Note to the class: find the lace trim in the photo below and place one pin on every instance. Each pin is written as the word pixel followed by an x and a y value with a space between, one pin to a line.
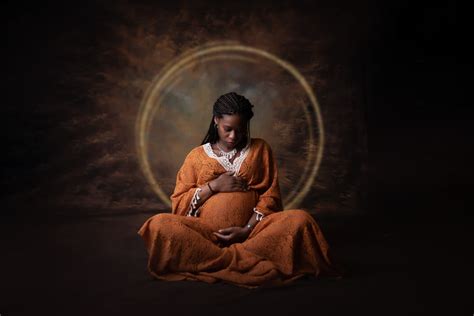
pixel 260 215
pixel 193 210
pixel 228 166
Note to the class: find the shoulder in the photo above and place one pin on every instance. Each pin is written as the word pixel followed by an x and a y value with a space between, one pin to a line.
pixel 260 143
pixel 195 154
pixel 196 150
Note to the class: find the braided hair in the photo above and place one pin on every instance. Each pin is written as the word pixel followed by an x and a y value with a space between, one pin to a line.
pixel 230 103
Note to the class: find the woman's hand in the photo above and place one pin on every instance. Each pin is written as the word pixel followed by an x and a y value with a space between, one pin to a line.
pixel 226 182
pixel 232 235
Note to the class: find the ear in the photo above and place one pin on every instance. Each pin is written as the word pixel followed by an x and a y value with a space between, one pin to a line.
pixel 216 120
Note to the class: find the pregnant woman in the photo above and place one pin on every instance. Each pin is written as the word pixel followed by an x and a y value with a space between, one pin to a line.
pixel 227 222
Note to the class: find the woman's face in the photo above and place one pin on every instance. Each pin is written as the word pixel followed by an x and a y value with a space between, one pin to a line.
pixel 231 129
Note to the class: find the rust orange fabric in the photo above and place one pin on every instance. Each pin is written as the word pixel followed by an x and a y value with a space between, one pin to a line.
pixel 283 246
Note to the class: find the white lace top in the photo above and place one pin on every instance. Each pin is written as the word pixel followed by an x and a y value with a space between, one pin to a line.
pixel 228 166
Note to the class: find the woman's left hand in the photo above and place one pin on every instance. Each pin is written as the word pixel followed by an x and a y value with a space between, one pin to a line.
pixel 232 235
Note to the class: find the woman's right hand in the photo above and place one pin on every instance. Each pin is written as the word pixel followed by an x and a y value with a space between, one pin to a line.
pixel 226 182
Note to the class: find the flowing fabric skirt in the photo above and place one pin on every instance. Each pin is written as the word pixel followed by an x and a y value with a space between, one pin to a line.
pixel 282 247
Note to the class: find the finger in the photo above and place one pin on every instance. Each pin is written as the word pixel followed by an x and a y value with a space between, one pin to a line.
pixel 236 187
pixel 239 180
pixel 222 237
pixel 243 183
pixel 227 230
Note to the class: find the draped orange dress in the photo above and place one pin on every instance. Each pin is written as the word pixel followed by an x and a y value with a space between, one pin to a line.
pixel 283 245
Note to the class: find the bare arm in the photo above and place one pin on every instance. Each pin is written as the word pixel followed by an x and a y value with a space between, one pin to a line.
pixel 251 223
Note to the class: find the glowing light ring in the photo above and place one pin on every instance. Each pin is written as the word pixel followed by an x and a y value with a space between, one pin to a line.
pixel 169 73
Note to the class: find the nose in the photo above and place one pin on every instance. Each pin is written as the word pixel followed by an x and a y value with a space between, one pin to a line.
pixel 232 135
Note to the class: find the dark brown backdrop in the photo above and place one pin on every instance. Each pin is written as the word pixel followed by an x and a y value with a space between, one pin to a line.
pixel 77 73
pixel 391 193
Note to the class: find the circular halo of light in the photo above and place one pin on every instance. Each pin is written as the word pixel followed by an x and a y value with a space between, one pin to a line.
pixel 149 105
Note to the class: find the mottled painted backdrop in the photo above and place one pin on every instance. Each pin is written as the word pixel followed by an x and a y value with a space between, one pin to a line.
pixel 78 73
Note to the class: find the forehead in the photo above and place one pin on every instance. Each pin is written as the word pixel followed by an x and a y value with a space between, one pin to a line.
pixel 234 120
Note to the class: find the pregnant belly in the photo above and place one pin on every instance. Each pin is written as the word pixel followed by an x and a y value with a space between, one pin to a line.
pixel 228 209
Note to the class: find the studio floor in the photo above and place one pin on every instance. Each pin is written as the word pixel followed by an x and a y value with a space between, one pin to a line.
pixel 96 265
